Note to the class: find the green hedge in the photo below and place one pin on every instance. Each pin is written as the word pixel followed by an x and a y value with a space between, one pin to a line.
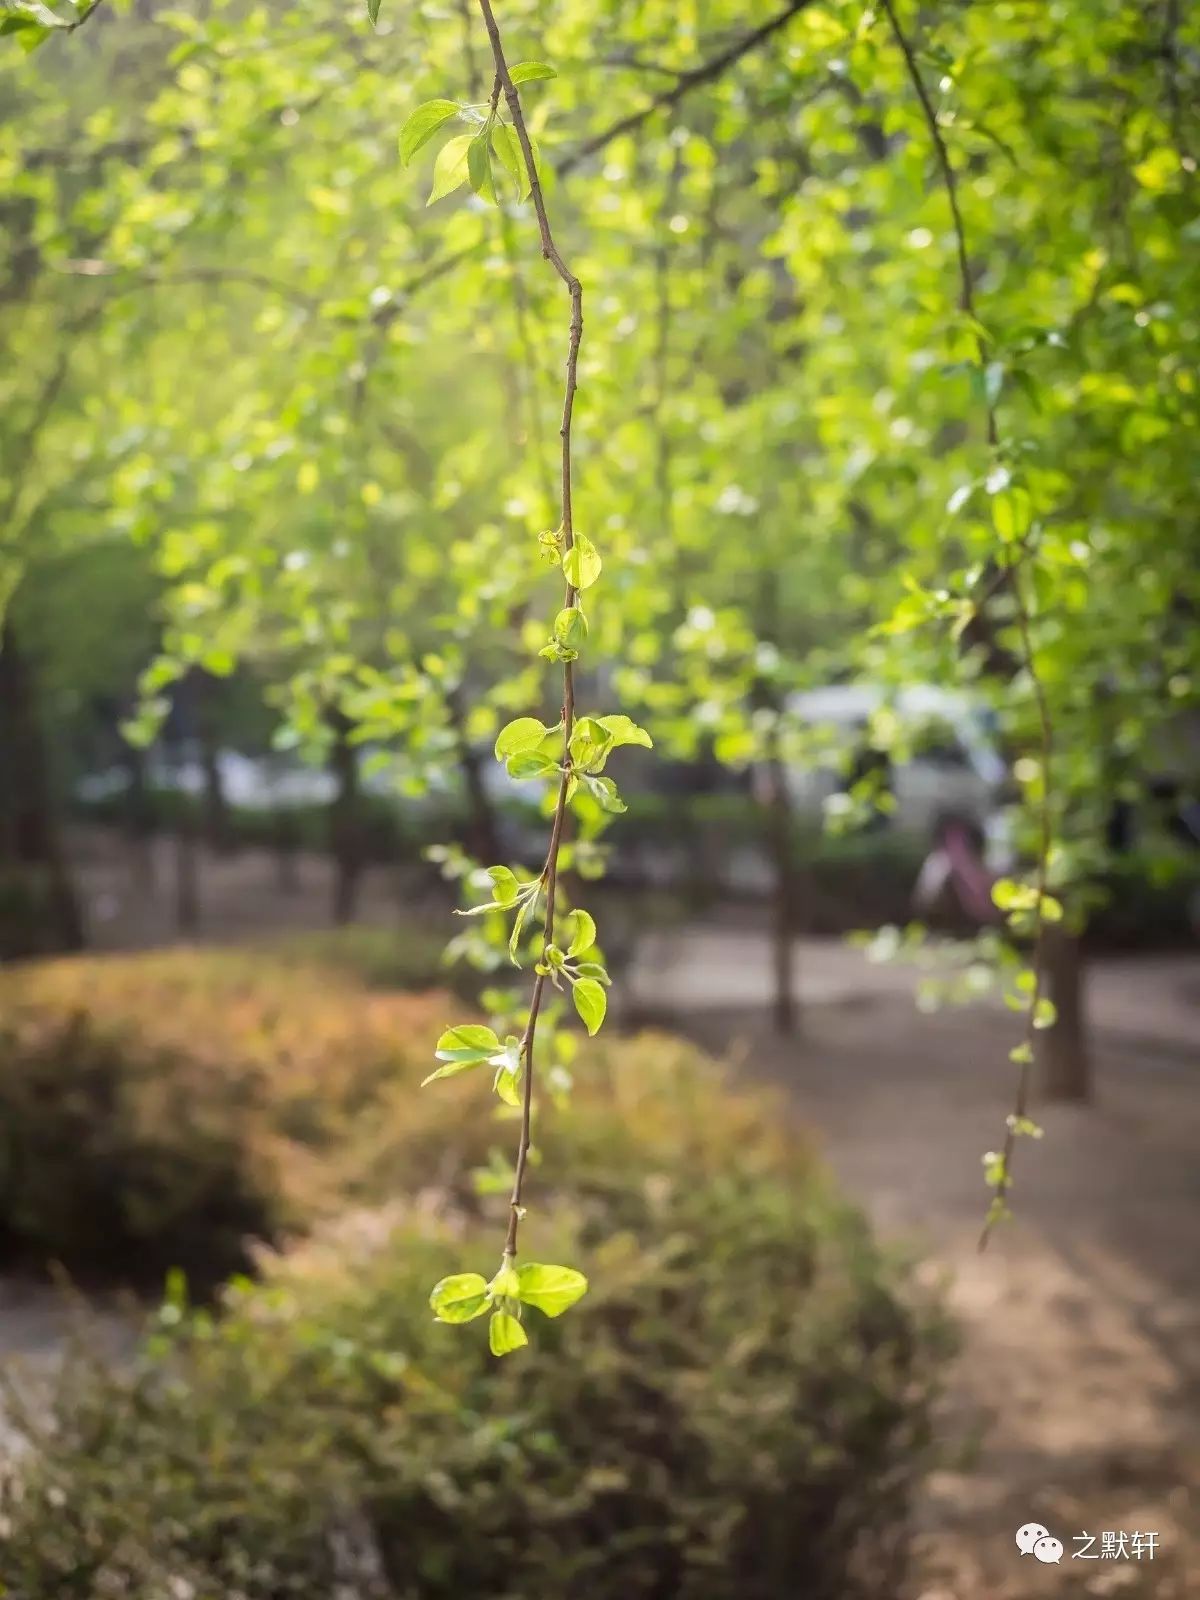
pixel 739 1407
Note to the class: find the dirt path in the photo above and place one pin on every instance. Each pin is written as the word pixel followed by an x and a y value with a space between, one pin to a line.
pixel 1080 1374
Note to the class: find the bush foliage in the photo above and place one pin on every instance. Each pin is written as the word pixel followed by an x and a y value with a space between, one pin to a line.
pixel 739 1407
pixel 157 1109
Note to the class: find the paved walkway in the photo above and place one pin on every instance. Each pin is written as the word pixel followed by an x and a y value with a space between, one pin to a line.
pixel 1155 998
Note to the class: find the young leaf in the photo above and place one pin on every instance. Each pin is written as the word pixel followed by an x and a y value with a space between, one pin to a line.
pixel 531 72
pixel 453 1068
pixel 505 1334
pixel 584 936
pixel 625 731
pixel 505 885
pixel 373 11
pixel 581 564
pixel 530 764
pixel 604 792
pixel 467 1042
pixel 551 1290
pixel 450 168
pixel 507 1086
pixel 523 734
pixel 479 167
pixel 424 122
pixel 460 1298
pixel 591 1003
pixel 510 156
pixel 514 942
pixel 571 627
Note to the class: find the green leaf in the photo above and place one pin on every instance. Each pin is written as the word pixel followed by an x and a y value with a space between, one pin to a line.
pixel 506 1084
pixel 604 792
pixel 581 564
pixel 373 11
pixel 571 627
pixel 424 122
pixel 552 1290
pixel 514 942
pixel 523 734
pixel 462 1048
pixel 531 72
pixel 584 936
pixel 593 969
pixel 479 167
pixel 591 1003
pixel 590 743
pixel 625 731
pixel 450 168
pixel 505 1333
pixel 1012 513
pixel 507 147
pixel 460 1298
pixel 530 764
pixel 1045 1014
pixel 505 885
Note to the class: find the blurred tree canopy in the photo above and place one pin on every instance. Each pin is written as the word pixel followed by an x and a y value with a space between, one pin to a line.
pixel 251 373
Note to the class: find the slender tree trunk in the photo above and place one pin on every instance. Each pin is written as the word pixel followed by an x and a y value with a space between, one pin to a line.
pixel 139 820
pixel 187 897
pixel 31 848
pixel 1065 1062
pixel 218 834
pixel 345 821
pixel 780 835
pixel 284 829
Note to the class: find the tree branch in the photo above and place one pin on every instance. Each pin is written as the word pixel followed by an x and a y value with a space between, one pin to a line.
pixel 503 83
pixel 686 81
pixel 1011 564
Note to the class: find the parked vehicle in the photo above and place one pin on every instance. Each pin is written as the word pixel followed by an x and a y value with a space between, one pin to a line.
pixel 954 770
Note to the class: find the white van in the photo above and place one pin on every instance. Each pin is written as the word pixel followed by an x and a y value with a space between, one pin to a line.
pixel 955 769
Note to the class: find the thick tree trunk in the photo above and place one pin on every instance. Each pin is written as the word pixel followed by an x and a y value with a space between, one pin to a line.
pixel 1065 1058
pixel 345 821
pixel 31 850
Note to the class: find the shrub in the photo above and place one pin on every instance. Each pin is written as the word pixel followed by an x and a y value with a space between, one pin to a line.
pixel 158 1108
pixel 739 1407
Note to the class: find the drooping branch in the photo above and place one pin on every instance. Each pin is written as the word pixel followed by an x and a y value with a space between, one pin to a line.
pixel 1011 564
pixel 504 84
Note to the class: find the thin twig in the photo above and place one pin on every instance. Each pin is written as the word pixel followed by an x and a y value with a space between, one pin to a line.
pixel 550 252
pixel 1011 564
pixel 687 80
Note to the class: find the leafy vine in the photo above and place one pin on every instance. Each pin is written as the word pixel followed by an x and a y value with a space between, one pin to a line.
pixel 495 156
pixel 1028 908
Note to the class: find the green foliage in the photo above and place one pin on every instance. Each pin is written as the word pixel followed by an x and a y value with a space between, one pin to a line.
pixel 740 1406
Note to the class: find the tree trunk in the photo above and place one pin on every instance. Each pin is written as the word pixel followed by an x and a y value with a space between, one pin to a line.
pixel 284 830
pixel 46 912
pixel 218 834
pixel 785 1005
pixel 187 899
pixel 139 819
pixel 345 821
pixel 1065 1058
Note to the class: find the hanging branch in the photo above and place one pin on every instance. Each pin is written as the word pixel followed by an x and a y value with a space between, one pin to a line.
pixel 1038 1011
pixel 550 871
pixel 495 154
